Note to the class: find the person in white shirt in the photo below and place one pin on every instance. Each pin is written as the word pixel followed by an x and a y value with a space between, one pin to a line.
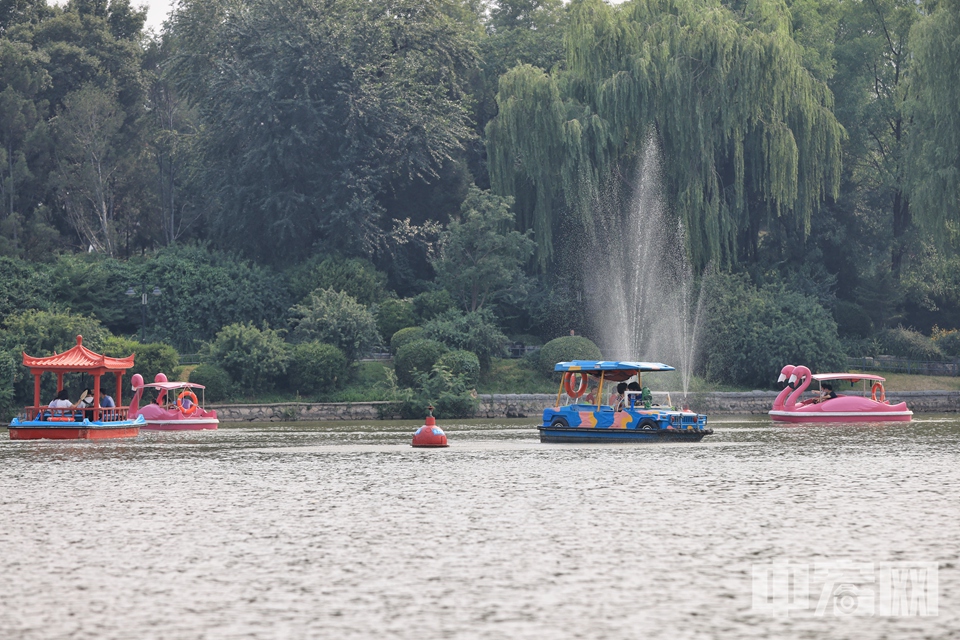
pixel 62 401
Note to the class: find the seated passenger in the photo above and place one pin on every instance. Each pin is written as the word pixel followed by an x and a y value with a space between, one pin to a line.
pixel 827 393
pixel 617 399
pixel 85 403
pixel 106 401
pixel 58 406
pixel 62 401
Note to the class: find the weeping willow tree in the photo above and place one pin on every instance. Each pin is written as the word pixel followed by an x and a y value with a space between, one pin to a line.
pixel 934 150
pixel 747 133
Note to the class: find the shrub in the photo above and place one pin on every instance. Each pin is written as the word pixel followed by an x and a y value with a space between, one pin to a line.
pixel 907 343
pixel 752 333
pixel 566 348
pixel 462 363
pixel 334 318
pixel 405 335
pixel 429 304
pixel 255 359
pixel 476 332
pixel 217 382
pixel 449 394
pixel 149 359
pixel 949 343
pixel 416 356
pixel 393 315
pixel 356 277
pixel 315 366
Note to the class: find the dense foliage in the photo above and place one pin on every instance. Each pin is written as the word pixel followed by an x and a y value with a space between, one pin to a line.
pixel 417 357
pixel 751 333
pixel 315 367
pixel 565 349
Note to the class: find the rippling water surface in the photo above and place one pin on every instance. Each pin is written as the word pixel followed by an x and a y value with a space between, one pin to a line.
pixel 313 530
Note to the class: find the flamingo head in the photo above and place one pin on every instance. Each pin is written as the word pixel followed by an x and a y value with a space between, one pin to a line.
pixel 160 377
pixel 136 381
pixel 798 374
pixel 785 373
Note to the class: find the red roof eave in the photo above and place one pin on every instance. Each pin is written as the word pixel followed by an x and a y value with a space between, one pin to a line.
pixel 77 358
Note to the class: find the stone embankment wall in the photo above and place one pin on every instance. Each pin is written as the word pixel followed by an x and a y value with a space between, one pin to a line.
pixel 531 405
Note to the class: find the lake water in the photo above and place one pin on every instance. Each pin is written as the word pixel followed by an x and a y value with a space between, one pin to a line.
pixel 319 530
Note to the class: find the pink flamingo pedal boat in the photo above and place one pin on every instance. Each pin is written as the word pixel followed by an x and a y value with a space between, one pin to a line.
pixel 176 407
pixel 865 406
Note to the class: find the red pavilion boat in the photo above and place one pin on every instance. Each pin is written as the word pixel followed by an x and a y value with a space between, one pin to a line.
pixel 73 423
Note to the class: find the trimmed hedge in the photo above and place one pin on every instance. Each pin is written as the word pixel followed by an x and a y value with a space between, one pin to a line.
pixel 417 356
pixel 405 335
pixel 315 367
pixel 567 348
pixel 462 363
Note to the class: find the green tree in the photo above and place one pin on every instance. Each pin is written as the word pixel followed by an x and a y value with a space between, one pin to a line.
pixel 91 165
pixel 747 132
pixel 752 333
pixel 22 78
pixel 874 55
pixel 354 276
pixel 310 110
pixel 333 317
pixel 255 359
pixel 934 151
pixel 149 358
pixel 476 331
pixel 478 262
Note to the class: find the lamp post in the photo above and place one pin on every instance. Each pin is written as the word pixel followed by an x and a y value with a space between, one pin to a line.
pixel 143 305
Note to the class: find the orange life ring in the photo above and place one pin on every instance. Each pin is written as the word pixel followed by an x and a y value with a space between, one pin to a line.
pixel 568 384
pixel 188 411
pixel 878 386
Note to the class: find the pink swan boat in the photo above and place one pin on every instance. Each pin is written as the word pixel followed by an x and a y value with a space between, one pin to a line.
pixel 176 408
pixel 866 406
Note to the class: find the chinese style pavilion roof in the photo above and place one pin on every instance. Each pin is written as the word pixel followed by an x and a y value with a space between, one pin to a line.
pixel 77 359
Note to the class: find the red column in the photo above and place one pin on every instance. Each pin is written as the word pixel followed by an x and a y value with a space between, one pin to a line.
pixel 36 389
pixel 117 399
pixel 96 396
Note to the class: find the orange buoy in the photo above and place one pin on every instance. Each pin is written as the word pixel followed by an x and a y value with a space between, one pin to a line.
pixel 430 435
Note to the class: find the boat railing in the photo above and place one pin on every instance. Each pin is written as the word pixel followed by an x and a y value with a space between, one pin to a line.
pixel 75 414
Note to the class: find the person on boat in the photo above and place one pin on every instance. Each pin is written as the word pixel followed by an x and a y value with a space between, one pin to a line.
pixel 85 402
pixel 106 401
pixel 617 399
pixel 62 401
pixel 827 393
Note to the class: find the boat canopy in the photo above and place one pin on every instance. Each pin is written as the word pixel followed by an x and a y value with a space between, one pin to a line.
pixel 611 369
pixel 853 377
pixel 168 386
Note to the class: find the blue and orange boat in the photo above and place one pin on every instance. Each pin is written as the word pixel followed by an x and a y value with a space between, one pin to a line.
pixel 630 415
pixel 74 423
